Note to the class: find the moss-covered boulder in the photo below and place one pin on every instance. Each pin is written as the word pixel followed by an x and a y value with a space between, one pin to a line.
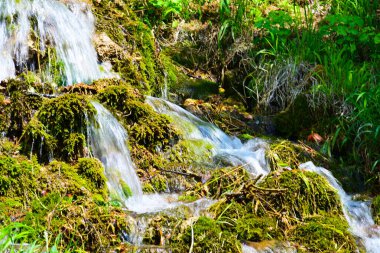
pixel 327 233
pixel 18 108
pixel 59 129
pixel 129 44
pixel 205 235
pixel 76 225
pixel 302 194
pixel 18 177
pixel 280 207
pixel 144 125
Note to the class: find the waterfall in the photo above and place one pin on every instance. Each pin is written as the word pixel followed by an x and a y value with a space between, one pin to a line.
pixel 251 155
pixel 66 26
pixel 357 213
pixel 108 143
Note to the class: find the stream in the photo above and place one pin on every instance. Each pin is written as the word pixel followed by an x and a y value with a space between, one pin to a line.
pixel 65 31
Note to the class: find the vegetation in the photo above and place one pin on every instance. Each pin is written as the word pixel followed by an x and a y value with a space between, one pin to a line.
pixel 301 74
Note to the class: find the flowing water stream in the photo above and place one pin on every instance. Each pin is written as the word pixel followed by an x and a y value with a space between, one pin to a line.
pixel 29 27
pixel 231 150
pixel 108 143
pixel 67 27
pixel 252 156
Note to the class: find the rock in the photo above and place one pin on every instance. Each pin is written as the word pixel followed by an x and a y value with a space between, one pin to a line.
pixel 107 49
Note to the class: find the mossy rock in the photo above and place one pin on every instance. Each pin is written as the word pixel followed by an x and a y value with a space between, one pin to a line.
pixel 140 61
pixel 256 229
pixel 59 128
pixel 207 237
pixel 304 193
pixel 327 233
pixel 18 177
pixel 21 108
pixel 226 180
pixel 77 225
pixel 145 126
pixel 92 170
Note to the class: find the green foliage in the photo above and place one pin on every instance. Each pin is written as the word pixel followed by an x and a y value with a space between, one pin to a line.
pixel 232 16
pixel 170 7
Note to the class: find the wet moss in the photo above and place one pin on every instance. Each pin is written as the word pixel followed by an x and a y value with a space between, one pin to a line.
pixel 327 233
pixel 257 229
pixel 19 109
pixel 205 235
pixel 78 225
pixel 140 62
pixel 144 125
pixel 304 193
pixel 59 128
pixel 18 177
pixel 126 189
pixel 91 169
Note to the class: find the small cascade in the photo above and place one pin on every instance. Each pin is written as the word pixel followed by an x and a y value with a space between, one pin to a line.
pixel 108 143
pixel 229 149
pixel 29 27
pixel 357 213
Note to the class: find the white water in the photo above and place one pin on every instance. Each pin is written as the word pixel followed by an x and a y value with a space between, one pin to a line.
pixel 230 149
pixel 108 143
pixel 274 249
pixel 357 213
pixel 68 27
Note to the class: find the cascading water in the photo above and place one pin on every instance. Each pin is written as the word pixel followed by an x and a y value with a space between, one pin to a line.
pixel 252 155
pixel 67 27
pixel 357 213
pixel 230 149
pixel 108 143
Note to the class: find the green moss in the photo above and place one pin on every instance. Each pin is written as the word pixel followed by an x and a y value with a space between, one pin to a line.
pixel 207 237
pixel 328 233
pixel 59 128
pixel 8 147
pixel 18 177
pixel 376 209
pixel 284 154
pixel 187 199
pixel 140 63
pixel 126 189
pixel 199 151
pixel 84 225
pixel 21 108
pixel 144 125
pixel 226 180
pixel 256 229
pixel 304 193
pixel 91 169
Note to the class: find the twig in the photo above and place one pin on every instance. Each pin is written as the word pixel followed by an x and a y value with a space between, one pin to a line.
pixel 181 173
